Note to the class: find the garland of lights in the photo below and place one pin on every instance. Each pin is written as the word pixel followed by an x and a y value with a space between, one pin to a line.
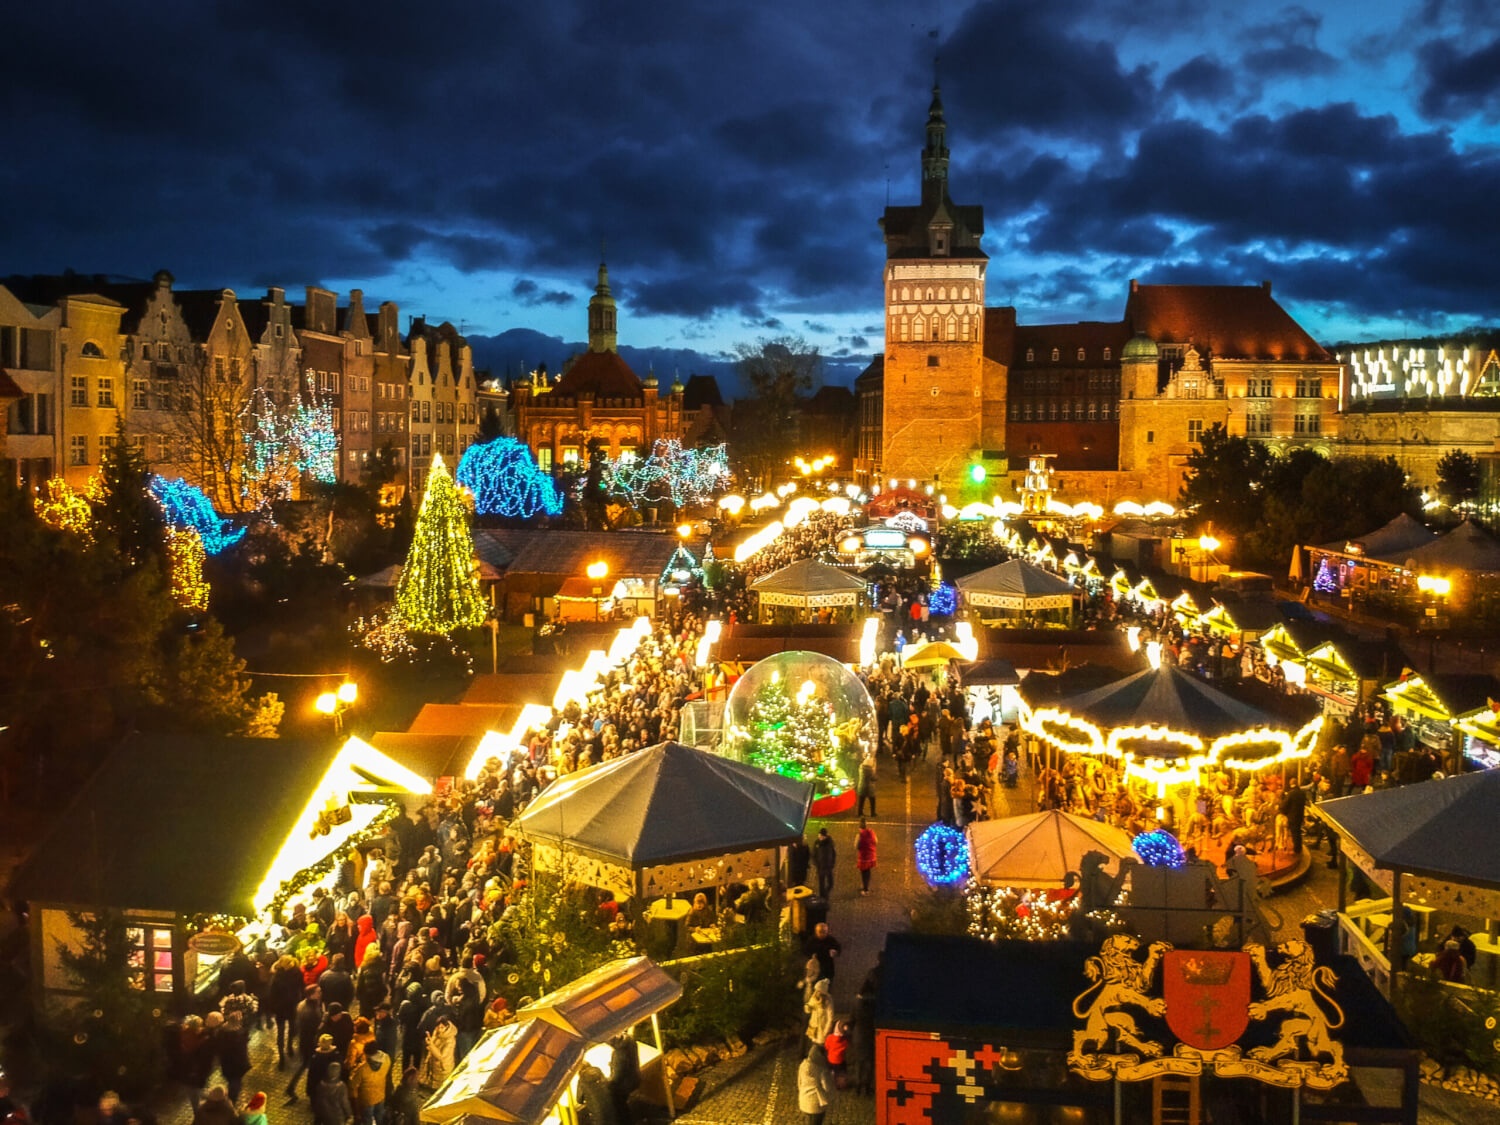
pixel 314 440
pixel 1159 848
pixel 683 476
pixel 1004 913
pixel 1189 754
pixel 439 587
pixel 505 480
pixel 942 856
pixel 185 556
pixel 62 507
pixel 308 876
pixel 187 507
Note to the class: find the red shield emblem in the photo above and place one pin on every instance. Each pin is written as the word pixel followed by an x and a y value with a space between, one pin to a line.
pixel 1208 996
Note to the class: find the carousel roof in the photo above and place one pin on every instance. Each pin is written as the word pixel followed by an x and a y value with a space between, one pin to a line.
pixel 1170 698
pixel 1039 849
pixel 1015 578
pixel 1445 828
pixel 1391 543
pixel 667 804
pixel 807 576
pixel 1468 547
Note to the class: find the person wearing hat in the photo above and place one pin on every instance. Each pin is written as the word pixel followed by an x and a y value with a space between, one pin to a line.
pixel 216 1109
pixel 255 1109
pixel 330 1099
pixel 324 1058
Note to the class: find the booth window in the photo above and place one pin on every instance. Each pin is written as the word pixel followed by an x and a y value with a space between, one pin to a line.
pixel 151 958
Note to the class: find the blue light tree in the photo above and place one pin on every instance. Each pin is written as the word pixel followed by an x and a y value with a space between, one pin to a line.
pixel 505 481
pixel 187 506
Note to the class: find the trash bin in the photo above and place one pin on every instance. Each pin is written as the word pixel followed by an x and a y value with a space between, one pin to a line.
pixel 1321 932
pixel 817 911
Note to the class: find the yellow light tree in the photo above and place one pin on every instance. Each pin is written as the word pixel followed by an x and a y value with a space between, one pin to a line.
pixel 439 587
pixel 60 506
pixel 185 557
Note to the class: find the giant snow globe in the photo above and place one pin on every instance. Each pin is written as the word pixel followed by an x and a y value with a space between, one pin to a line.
pixel 805 716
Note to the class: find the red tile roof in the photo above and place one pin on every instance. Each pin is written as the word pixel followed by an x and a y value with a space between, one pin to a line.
pixel 1225 321
pixel 602 374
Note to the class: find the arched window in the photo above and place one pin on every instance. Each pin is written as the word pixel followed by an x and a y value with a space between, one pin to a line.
pixel 1056 355
pixel 1067 412
pixel 92 350
pixel 965 328
pixel 953 328
pixel 1080 353
pixel 918 327
pixel 1106 355
pixel 937 329
pixel 905 327
pixel 966 292
pixel 1030 355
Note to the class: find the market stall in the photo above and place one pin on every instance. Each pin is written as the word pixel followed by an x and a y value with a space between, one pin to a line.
pixel 524 1072
pixel 1432 848
pixel 1453 713
pixel 147 836
pixel 990 690
pixel 799 591
pixel 665 820
pixel 1016 591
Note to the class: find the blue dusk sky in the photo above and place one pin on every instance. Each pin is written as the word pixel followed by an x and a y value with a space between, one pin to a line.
pixel 466 159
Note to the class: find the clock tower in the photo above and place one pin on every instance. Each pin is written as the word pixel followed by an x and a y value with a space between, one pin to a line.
pixel 934 376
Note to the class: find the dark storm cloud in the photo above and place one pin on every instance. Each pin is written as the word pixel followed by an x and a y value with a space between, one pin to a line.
pixel 1201 79
pixel 1456 82
pixel 735 157
pixel 1027 66
pixel 1287 45
pixel 527 292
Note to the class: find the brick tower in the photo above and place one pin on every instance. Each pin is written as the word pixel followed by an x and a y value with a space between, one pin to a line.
pixel 934 326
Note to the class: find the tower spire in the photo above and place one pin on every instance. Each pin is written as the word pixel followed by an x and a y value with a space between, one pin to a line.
pixel 935 155
pixel 602 337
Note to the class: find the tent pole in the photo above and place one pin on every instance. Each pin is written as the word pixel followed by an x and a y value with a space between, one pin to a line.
pixel 1395 937
pixel 666 1076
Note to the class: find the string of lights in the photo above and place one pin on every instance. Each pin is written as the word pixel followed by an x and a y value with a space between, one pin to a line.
pixel 504 480
pixel 683 476
pixel 186 506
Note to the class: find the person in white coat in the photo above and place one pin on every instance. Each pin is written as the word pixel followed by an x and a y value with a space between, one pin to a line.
pixel 814 1086
pixel 819 1008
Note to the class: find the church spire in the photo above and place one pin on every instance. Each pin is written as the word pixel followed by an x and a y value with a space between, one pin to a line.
pixel 935 155
pixel 602 315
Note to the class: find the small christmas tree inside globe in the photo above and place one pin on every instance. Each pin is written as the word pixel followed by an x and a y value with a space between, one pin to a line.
pixel 802 715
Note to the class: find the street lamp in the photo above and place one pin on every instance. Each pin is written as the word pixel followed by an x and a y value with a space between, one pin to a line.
pixel 1207 545
pixel 597 571
pixel 335 703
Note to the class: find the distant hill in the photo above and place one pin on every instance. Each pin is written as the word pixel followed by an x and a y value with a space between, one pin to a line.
pixel 519 350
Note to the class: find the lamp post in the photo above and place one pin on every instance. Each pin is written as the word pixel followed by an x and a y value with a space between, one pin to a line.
pixel 597 571
pixel 335 703
pixel 1207 545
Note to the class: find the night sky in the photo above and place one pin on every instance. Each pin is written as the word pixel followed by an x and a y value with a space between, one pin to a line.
pixel 466 159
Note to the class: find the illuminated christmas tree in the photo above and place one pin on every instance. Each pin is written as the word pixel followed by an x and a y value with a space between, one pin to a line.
pixel 439 587
pixel 1324 581
pixel 794 737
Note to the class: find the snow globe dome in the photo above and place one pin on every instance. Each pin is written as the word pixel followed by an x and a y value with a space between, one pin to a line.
pixel 805 716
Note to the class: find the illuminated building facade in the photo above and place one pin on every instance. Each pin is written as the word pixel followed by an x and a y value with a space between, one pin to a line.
pixel 597 397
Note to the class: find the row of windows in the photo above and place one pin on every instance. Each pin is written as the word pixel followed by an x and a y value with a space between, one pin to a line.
pixel 1062 412
pixel 936 328
pixel 1083 355
pixel 422 444
pixel 447 412
pixel 390 423
pixel 391 390
pixel 1044 382
pixel 931 293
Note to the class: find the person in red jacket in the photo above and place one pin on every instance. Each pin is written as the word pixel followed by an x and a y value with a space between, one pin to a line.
pixel 365 931
pixel 1361 766
pixel 836 1047
pixel 864 854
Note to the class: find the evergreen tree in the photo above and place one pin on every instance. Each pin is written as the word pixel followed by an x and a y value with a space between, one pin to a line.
pixel 439 587
pixel 128 513
pixel 109 1034
pixel 794 737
